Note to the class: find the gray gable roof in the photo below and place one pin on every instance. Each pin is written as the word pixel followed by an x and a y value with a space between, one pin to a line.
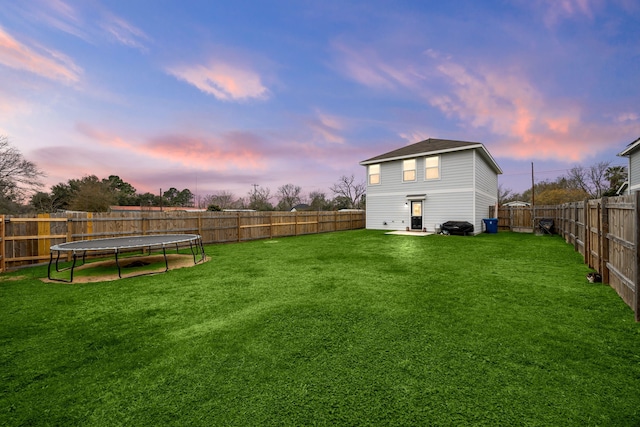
pixel 432 146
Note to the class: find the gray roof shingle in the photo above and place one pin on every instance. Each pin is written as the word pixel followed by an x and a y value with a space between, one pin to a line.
pixel 424 147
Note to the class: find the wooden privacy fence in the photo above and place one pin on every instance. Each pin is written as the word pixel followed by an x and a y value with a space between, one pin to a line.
pixel 605 231
pixel 26 241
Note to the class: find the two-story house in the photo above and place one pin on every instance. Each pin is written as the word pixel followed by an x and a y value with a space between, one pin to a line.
pixel 425 184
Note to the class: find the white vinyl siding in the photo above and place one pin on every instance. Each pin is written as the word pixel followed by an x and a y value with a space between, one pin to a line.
pixel 634 171
pixel 486 193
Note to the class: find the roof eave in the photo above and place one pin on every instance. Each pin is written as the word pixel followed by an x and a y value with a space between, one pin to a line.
pixel 630 148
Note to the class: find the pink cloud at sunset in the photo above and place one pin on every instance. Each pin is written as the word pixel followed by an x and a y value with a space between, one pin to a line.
pixel 56 14
pixel 235 150
pixel 532 126
pixel 232 150
pixel 224 81
pixel 327 128
pixel 365 66
pixel 557 10
pixel 527 123
pixel 124 32
pixel 49 64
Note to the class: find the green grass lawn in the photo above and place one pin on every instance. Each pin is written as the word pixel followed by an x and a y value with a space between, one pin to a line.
pixel 347 328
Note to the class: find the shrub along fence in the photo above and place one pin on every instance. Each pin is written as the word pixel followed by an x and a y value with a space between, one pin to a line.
pixel 26 240
pixel 605 231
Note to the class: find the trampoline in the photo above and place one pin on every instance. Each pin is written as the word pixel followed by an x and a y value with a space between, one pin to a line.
pixel 116 245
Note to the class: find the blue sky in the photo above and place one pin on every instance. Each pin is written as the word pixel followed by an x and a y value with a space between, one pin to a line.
pixel 218 96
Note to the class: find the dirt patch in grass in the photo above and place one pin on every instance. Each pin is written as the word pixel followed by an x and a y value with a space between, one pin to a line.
pixel 102 271
pixel 11 278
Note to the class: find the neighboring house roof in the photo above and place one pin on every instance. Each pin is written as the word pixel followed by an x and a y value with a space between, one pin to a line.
pixel 516 203
pixel 301 207
pixel 635 145
pixel 433 146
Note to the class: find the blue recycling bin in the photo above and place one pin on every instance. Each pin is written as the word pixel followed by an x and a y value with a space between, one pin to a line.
pixel 491 225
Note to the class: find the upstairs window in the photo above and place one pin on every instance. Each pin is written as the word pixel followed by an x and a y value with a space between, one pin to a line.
pixel 432 167
pixel 374 174
pixel 409 170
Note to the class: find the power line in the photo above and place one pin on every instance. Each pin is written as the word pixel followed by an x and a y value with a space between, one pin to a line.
pixel 546 171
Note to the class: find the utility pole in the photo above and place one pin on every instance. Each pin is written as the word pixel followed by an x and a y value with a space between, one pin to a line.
pixel 533 199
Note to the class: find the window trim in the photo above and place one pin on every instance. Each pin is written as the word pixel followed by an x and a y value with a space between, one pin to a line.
pixel 414 170
pixel 374 174
pixel 426 169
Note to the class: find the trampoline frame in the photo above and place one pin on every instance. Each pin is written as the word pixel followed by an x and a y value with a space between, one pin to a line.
pixel 117 244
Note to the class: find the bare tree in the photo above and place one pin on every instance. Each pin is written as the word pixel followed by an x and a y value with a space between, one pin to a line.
pixel 348 190
pixel 259 199
pixel 504 194
pixel 17 175
pixel 289 196
pixel 318 201
pixel 591 180
pixel 222 200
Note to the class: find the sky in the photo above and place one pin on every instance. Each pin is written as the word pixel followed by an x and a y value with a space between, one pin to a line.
pixel 221 96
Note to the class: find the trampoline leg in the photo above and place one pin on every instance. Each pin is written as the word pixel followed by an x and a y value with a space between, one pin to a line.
pixel 203 257
pixel 57 259
pixel 118 265
pixel 166 261
pixel 193 253
pixel 73 265
pixel 49 268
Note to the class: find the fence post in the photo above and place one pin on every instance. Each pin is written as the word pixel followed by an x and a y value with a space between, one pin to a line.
pixel 510 218
pixel 587 232
pixel 3 265
pixel 636 250
pixel 575 227
pixel 604 256
pixel 238 220
pixel 271 226
pixel 44 229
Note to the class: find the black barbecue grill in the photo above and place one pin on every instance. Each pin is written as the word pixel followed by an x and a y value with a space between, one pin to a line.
pixel 461 228
pixel 546 225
